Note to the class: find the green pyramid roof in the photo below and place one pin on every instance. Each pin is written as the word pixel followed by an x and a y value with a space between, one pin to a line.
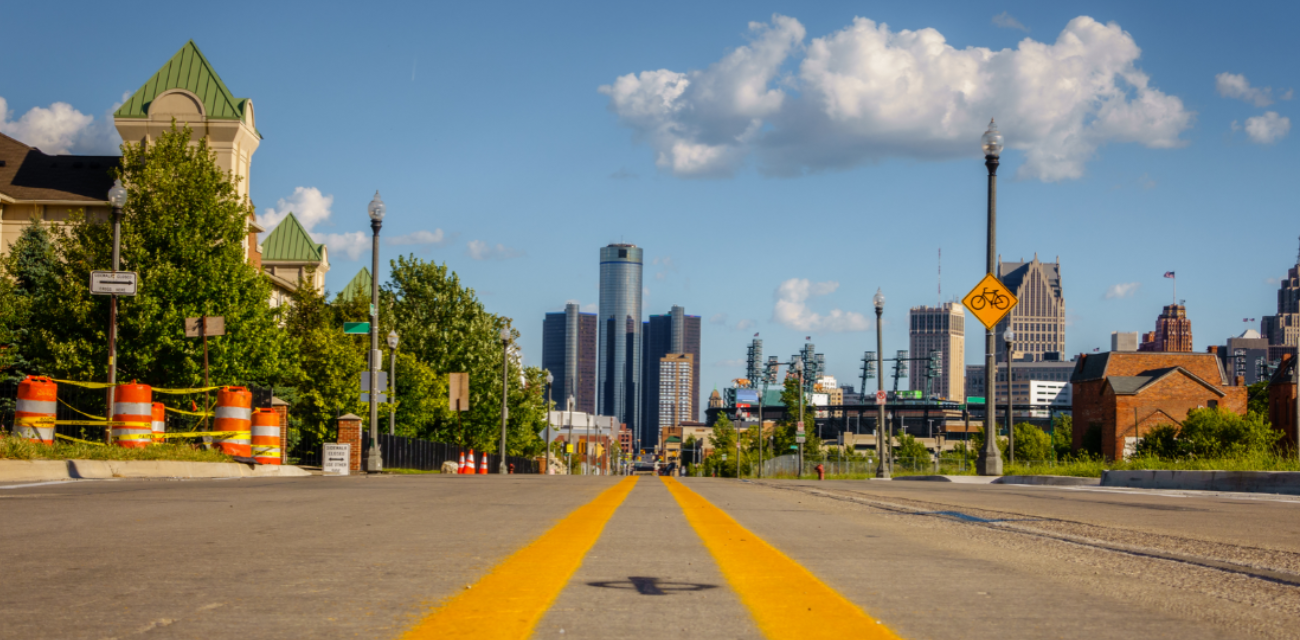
pixel 289 241
pixel 359 287
pixel 188 70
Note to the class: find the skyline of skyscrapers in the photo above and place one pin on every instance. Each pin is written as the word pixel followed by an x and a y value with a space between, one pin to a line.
pixel 618 384
pixel 670 333
pixel 569 353
pixel 942 329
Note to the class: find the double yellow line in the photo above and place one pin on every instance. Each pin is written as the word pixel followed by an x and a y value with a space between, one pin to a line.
pixel 785 599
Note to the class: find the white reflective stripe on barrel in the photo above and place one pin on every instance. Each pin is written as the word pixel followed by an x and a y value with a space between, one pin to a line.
pixel 264 432
pixel 234 413
pixel 133 409
pixel 260 449
pixel 37 406
pixel 159 426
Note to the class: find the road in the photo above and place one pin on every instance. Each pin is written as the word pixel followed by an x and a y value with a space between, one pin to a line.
pixel 573 557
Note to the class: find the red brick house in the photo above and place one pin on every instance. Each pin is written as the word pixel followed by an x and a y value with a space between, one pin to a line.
pixel 1281 402
pixel 1128 394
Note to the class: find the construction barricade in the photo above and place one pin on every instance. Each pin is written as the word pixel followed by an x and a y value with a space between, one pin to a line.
pixel 234 415
pixel 159 423
pixel 266 436
pixel 132 419
pixel 38 397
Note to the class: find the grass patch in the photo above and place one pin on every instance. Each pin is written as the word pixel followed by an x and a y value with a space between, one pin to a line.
pixel 1093 468
pixel 410 472
pixel 12 448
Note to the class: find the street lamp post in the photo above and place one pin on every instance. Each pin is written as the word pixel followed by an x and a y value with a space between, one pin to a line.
pixel 392 383
pixel 883 436
pixel 549 379
pixel 1010 337
pixel 989 462
pixel 798 367
pixel 505 392
pixel 376 210
pixel 117 198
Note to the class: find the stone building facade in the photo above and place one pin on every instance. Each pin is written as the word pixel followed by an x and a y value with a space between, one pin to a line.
pixel 942 329
pixel 1039 318
pixel 1173 332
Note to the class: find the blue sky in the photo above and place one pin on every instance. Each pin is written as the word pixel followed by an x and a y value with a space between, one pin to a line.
pixel 749 159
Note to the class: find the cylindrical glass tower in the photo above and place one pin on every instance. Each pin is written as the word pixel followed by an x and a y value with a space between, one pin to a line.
pixel 619 346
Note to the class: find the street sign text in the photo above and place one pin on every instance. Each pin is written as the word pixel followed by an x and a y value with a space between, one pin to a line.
pixel 113 283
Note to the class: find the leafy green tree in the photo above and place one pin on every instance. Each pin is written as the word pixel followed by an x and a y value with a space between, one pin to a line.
pixel 27 274
pixel 911 453
pixel 1257 398
pixel 328 364
pixel 1032 444
pixel 1063 435
pixel 723 440
pixel 1212 433
pixel 787 428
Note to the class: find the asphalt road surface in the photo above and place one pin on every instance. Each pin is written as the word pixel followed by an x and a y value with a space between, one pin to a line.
pixel 571 557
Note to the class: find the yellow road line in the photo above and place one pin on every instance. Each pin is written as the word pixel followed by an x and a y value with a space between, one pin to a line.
pixel 508 602
pixel 785 599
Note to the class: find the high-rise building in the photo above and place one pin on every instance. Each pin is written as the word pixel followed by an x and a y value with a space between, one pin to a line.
pixel 1039 319
pixel 942 329
pixel 1244 356
pixel 672 332
pixel 618 384
pixel 1123 341
pixel 569 353
pixel 676 384
pixel 1283 329
pixel 1173 332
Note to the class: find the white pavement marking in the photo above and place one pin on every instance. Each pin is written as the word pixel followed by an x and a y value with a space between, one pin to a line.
pixel 41 484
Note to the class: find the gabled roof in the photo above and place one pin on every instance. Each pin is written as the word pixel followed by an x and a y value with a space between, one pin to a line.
pixel 27 173
pixel 1012 274
pixel 289 241
pixel 1132 385
pixel 188 70
pixel 358 287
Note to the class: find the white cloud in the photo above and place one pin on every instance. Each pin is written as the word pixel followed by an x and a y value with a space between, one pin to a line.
pixel 1007 21
pixel 1122 290
pixel 60 128
pixel 719 319
pixel 792 310
pixel 307 204
pixel 1235 85
pixel 744 324
pixel 435 238
pixel 480 250
pixel 866 93
pixel 1268 128
pixel 351 244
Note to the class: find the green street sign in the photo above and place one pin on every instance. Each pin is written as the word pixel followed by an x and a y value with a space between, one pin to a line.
pixel 361 328
pixel 793 447
pixel 974 400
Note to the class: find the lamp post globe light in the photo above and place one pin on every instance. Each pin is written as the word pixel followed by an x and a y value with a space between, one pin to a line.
pixel 375 462
pixel 116 198
pixel 392 383
pixel 505 393
pixel 883 438
pixel 1009 336
pixel 989 461
pixel 549 380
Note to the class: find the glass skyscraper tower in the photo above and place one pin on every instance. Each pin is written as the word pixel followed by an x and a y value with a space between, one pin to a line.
pixel 619 347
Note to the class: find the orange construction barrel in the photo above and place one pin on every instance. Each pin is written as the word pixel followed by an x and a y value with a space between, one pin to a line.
pixel 234 413
pixel 266 436
pixel 38 397
pixel 133 415
pixel 159 423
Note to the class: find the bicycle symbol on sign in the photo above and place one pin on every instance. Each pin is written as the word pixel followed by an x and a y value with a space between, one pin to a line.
pixel 990 297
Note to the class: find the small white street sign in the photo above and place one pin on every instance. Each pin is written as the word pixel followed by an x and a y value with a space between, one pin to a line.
pixel 880 397
pixel 337 459
pixel 113 283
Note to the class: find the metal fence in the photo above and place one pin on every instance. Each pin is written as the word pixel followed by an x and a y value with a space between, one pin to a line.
pixel 415 454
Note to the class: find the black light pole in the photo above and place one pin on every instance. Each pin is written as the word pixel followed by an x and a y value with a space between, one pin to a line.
pixel 392 383
pixel 549 379
pixel 883 434
pixel 505 393
pixel 117 198
pixel 375 462
pixel 989 462
pixel 1010 337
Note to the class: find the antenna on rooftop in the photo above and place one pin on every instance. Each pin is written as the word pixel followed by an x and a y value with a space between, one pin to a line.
pixel 940 298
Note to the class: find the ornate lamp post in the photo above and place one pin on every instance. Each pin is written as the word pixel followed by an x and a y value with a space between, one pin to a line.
pixel 884 435
pixel 503 468
pixel 376 210
pixel 117 198
pixel 989 462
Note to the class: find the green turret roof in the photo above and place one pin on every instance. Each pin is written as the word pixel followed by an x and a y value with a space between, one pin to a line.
pixel 359 287
pixel 289 241
pixel 188 70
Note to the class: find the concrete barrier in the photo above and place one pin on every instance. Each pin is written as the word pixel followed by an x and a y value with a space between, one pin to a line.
pixel 1283 482
pixel 46 470
pixel 956 479
pixel 1056 481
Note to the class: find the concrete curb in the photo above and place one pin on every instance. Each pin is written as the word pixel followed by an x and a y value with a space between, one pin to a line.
pixel 1281 482
pixel 46 470
pixel 956 479
pixel 1059 481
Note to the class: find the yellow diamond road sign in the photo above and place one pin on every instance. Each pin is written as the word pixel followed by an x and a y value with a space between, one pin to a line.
pixel 990 301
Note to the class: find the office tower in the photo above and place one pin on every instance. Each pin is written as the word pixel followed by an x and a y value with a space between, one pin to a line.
pixel 1039 319
pixel 1283 329
pixel 942 329
pixel 569 353
pixel 672 332
pixel 1123 341
pixel 618 354
pixel 1173 332
pixel 676 384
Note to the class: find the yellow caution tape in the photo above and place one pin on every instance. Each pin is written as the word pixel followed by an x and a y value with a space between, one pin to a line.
pixel 184 391
pixel 201 414
pixel 105 385
pixel 85 423
pixel 60 435
pixel 80 411
pixel 88 385
pixel 196 434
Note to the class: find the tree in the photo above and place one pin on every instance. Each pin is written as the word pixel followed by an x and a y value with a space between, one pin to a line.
pixel 1257 398
pixel 1063 435
pixel 911 453
pixel 1033 445
pixel 1211 433
pixel 787 428
pixel 29 272
pixel 327 364
pixel 723 440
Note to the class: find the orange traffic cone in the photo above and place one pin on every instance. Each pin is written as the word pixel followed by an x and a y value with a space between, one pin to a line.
pixel 460 468
pixel 469 466
pixel 482 465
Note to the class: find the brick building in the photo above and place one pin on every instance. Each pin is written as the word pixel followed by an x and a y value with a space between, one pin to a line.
pixel 1173 332
pixel 1281 402
pixel 1126 395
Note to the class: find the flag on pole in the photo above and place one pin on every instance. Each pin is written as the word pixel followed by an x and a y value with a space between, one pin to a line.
pixel 755 335
pixel 1169 274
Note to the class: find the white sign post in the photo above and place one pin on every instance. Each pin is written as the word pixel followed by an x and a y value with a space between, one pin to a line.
pixel 113 283
pixel 337 459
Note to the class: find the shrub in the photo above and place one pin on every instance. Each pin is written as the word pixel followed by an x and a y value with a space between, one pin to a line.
pixel 1092 439
pixel 1211 433
pixel 1032 443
